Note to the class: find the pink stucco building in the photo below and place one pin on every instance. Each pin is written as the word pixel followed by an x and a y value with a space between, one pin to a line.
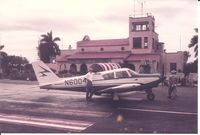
pixel 140 48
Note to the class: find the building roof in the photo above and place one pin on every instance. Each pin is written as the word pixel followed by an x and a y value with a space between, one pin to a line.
pixel 139 57
pixel 103 42
pixel 99 55
pixel 62 59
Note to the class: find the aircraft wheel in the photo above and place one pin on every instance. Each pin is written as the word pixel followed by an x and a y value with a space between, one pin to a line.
pixel 150 97
pixel 115 97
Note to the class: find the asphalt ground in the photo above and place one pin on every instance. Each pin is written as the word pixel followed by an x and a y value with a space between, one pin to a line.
pixel 24 108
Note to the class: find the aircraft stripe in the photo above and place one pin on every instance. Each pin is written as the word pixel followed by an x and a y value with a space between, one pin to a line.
pixel 69 125
pixel 158 111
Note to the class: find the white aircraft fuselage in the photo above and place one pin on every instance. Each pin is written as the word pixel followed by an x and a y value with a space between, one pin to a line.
pixel 113 81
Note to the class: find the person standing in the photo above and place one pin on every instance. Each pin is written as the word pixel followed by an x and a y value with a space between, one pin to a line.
pixel 89 85
pixel 173 80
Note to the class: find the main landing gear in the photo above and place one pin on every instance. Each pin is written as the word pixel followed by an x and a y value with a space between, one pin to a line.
pixel 115 96
pixel 150 95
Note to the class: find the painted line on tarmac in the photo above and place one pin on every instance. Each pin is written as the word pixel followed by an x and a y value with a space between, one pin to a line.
pixel 132 99
pixel 74 112
pixel 158 111
pixel 68 125
pixel 63 111
pixel 26 102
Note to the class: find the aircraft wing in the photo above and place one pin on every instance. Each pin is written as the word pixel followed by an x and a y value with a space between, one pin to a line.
pixel 119 88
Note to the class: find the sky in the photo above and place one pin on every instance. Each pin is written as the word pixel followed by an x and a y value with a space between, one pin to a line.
pixel 22 22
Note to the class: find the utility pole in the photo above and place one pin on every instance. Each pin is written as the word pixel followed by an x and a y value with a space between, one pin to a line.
pixel 180 41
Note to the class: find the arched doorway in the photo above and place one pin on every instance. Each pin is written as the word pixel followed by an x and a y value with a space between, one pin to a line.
pixel 83 69
pixel 131 66
pixel 73 69
pixel 62 67
pixel 128 65
pixel 145 69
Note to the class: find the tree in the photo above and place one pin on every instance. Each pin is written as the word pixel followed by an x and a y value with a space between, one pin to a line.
pixel 191 67
pixel 48 48
pixel 16 62
pixel 194 43
pixel 3 58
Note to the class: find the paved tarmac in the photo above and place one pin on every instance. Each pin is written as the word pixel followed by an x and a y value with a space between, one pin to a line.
pixel 24 108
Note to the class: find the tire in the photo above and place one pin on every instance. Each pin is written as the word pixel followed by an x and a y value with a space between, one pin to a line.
pixel 151 97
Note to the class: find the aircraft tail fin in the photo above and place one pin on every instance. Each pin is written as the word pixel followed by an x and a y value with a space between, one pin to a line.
pixel 43 73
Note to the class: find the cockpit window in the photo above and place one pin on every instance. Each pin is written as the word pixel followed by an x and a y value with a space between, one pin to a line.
pixel 133 74
pixel 108 76
pixel 122 74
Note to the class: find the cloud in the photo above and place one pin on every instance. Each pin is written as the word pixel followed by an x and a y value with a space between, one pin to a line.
pixel 71 20
pixel 41 24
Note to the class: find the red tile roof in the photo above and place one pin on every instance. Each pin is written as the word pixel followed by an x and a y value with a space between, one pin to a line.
pixel 62 59
pixel 99 55
pixel 104 42
pixel 138 57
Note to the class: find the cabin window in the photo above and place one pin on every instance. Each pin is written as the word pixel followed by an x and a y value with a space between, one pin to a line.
pixel 108 76
pixel 122 74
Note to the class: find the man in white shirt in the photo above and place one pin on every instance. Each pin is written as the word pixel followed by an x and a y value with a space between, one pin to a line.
pixel 89 85
pixel 173 81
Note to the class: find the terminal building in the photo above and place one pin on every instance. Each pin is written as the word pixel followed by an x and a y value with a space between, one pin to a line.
pixel 142 47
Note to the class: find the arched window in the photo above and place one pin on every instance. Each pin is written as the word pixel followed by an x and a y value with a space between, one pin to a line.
pixel 62 67
pixel 83 69
pixel 73 69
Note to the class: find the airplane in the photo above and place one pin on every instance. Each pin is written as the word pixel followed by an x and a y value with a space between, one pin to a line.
pixel 115 82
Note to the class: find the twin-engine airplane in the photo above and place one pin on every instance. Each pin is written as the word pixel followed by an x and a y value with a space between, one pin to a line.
pixel 116 82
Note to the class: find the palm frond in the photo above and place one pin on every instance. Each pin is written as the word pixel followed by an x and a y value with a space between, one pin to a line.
pixel 196 30
pixel 1 47
pixel 44 36
pixel 196 54
pixel 196 50
pixel 193 41
pixel 56 39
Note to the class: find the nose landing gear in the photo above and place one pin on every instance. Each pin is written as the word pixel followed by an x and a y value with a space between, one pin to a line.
pixel 150 95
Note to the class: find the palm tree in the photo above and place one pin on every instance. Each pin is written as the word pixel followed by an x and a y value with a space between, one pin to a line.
pixel 194 42
pixel 48 48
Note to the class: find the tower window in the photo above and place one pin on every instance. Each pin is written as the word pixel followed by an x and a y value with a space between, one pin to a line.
pixel 137 42
pixel 145 42
pixel 153 43
pixel 153 26
pixel 172 66
pixel 140 26
pixel 122 48
pixel 102 49
pixel 82 50
pixel 144 27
